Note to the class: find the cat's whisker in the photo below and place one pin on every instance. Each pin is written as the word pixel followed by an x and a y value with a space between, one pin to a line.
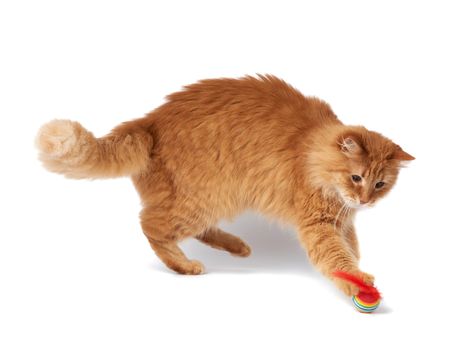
pixel 344 205
pixel 347 212
pixel 343 216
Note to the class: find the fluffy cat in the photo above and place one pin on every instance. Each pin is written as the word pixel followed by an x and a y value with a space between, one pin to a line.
pixel 222 146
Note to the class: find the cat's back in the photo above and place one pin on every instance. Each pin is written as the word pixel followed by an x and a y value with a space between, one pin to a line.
pixel 247 93
pixel 264 104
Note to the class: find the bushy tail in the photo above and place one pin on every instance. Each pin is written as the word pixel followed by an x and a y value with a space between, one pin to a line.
pixel 69 149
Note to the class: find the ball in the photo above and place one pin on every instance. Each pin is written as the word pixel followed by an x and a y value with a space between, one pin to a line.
pixel 366 302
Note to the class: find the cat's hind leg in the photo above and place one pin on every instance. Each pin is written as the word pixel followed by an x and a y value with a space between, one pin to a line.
pixel 164 231
pixel 174 258
pixel 217 238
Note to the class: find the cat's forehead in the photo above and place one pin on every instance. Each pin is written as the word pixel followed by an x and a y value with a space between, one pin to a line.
pixel 369 167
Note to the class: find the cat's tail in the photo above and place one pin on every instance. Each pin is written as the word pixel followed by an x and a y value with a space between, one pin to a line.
pixel 67 148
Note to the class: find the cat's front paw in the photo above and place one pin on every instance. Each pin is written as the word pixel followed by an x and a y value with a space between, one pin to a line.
pixel 349 288
pixel 368 279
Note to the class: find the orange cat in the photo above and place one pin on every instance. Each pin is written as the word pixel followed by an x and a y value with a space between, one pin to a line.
pixel 222 146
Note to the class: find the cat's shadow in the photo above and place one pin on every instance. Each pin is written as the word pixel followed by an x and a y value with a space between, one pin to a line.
pixel 275 249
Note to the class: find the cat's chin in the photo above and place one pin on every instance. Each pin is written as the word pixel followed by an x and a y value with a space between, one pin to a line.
pixel 352 204
pixel 358 206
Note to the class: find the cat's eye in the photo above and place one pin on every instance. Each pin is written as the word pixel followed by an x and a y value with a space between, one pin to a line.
pixel 379 184
pixel 356 178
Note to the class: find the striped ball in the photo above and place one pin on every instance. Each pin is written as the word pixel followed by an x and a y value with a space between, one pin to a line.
pixel 365 303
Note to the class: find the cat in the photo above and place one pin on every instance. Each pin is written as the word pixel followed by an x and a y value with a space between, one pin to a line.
pixel 222 146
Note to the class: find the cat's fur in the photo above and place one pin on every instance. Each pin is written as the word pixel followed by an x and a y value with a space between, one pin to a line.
pixel 222 146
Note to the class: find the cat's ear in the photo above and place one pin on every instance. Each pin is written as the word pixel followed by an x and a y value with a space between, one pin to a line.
pixel 350 145
pixel 400 154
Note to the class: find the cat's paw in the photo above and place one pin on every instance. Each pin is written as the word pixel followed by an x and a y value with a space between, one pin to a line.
pixel 57 138
pixel 194 267
pixel 351 289
pixel 243 250
pixel 368 279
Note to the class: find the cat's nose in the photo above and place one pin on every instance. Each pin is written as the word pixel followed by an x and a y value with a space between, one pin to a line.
pixel 363 201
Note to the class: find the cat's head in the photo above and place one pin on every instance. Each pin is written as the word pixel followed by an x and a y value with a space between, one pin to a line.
pixel 359 165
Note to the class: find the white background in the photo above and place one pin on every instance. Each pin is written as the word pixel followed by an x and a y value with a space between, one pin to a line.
pixel 76 271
